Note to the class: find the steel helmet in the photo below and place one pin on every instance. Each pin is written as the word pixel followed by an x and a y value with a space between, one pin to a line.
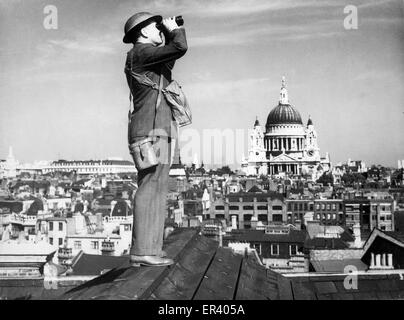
pixel 138 21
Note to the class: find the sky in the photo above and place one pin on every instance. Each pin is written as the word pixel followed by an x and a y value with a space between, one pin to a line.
pixel 63 93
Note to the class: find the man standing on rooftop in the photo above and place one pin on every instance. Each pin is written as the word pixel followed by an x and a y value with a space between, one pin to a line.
pixel 152 130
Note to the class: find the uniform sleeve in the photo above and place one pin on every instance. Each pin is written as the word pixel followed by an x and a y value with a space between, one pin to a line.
pixel 175 49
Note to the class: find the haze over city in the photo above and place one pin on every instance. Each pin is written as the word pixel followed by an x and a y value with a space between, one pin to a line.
pixel 63 93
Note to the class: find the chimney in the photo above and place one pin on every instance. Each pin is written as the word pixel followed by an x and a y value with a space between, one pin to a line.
pixel 100 226
pixel 78 222
pixel 220 237
pixel 234 222
pixel 357 235
pixel 254 222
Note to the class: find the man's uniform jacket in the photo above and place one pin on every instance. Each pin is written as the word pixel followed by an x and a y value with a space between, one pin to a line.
pixel 153 61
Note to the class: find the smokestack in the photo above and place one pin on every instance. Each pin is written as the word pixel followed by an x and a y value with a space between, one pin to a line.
pixel 234 222
pixel 220 237
pixel 100 226
pixel 357 235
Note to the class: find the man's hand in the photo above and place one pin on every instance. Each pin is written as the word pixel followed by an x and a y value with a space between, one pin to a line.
pixel 170 24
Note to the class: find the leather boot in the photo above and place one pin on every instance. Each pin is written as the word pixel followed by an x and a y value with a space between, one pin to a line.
pixel 152 261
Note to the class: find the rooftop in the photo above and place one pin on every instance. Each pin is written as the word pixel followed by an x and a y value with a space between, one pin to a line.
pixel 204 271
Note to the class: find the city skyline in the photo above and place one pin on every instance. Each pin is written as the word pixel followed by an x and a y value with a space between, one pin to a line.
pixel 63 93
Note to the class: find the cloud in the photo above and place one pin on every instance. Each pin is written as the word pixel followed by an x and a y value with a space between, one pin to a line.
pixel 82 46
pixel 89 45
pixel 263 33
pixel 225 91
pixel 214 8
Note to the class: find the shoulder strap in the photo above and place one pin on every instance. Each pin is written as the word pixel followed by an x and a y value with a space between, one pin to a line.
pixel 158 101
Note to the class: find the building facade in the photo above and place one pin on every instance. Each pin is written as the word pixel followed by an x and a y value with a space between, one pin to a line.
pixel 286 147
pixel 91 167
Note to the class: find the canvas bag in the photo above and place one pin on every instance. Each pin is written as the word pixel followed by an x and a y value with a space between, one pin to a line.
pixel 178 103
pixel 174 96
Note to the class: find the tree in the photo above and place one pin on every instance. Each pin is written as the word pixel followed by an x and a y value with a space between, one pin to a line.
pixel 354 178
pixel 225 170
pixel 326 179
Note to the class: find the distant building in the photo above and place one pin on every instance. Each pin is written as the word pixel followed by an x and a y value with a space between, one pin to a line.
pixel 91 167
pixel 286 147
pixel 280 248
pixel 247 208
pixel 8 168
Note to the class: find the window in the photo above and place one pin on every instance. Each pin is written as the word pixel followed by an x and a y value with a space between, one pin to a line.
pixel 311 207
pixel 60 226
pixel 328 206
pixel 334 206
pixel 305 207
pixel 127 227
pixel 323 206
pixel 317 206
pixel 277 218
pixel 94 245
pixel 275 249
pixel 262 217
pixel 262 207
pixel 257 246
pixel 293 249
pixel 219 208
pixel 233 207
pixel 60 241
pixel 50 226
pixel 248 207
pixel 300 206
pixel 51 241
pixel 276 207
pixel 289 207
pixel 77 245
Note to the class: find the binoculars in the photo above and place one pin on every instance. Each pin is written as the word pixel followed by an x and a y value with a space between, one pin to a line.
pixel 178 19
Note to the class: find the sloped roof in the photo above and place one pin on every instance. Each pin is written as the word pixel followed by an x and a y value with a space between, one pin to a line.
pixel 393 237
pixel 326 243
pixel 202 271
pixel 255 189
pixel 121 208
pixel 337 266
pixel 294 236
pixel 11 206
pixel 36 206
pixel 92 264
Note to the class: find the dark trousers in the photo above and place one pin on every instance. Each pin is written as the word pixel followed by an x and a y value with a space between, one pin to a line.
pixel 150 202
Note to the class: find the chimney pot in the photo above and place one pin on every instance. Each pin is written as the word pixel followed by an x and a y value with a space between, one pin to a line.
pixel 378 261
pixel 390 260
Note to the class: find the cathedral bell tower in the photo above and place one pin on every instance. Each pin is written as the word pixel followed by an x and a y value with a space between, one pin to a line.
pixel 257 149
pixel 312 150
